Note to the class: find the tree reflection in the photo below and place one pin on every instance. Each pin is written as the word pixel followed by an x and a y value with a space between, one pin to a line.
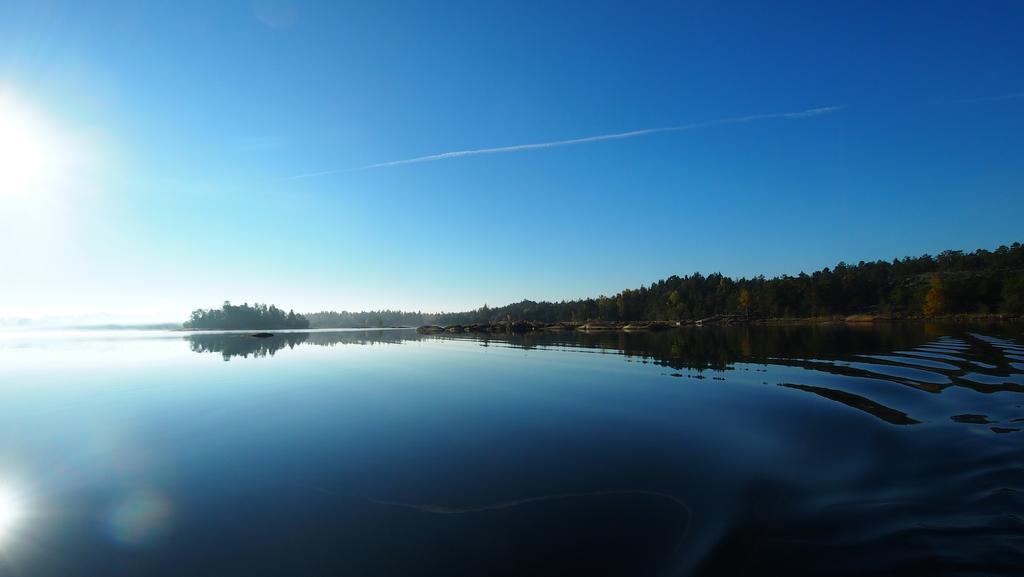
pixel 231 345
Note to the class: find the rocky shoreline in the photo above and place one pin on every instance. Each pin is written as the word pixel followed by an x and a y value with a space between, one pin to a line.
pixel 529 326
pixel 716 320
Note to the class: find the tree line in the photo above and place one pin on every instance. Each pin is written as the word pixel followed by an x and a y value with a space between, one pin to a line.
pixel 245 317
pixel 953 282
pixel 369 319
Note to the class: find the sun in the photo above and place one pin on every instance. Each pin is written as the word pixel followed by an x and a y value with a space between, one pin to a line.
pixel 30 152
pixel 12 510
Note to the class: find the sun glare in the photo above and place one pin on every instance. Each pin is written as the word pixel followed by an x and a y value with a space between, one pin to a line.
pixel 11 512
pixel 29 150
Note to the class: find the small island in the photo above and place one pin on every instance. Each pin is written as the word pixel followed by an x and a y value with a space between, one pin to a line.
pixel 259 317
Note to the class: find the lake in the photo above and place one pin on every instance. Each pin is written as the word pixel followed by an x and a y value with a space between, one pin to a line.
pixel 796 450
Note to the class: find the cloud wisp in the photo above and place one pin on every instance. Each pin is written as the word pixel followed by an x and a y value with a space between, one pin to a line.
pixel 573 141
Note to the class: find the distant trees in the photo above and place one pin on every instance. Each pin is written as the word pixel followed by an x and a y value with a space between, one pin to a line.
pixel 1013 295
pixel 369 319
pixel 951 283
pixel 245 317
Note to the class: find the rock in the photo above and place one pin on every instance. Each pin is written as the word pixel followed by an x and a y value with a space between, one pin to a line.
pixel 520 327
pixel 860 319
pixel 599 326
pixel 729 320
pixel 430 329
pixel 262 335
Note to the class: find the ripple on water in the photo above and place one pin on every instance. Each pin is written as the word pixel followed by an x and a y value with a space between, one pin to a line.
pixel 1004 430
pixel 887 414
pixel 972 419
pixel 930 355
pixel 907 373
pixel 914 361
pixel 990 379
pixel 992 339
pixel 1007 346
pixel 950 342
pixel 946 350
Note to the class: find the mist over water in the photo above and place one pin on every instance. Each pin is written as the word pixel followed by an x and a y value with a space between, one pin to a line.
pixel 851 450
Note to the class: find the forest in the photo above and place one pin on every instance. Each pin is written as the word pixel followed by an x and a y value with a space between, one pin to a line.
pixel 245 317
pixel 953 282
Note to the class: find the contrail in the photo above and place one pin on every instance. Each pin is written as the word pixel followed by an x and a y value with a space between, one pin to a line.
pixel 573 141
pixel 979 99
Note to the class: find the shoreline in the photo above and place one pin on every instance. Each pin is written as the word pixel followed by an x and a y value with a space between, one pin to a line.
pixel 642 326
pixel 717 320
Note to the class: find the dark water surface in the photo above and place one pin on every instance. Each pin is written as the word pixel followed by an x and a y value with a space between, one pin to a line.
pixel 822 450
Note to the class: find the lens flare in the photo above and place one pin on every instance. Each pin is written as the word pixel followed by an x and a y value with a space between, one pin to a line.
pixel 139 518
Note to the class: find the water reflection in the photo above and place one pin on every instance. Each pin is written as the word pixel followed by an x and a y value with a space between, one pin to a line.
pixel 887 450
pixel 717 348
pixel 924 357
pixel 902 354
pixel 695 348
pixel 919 356
pixel 234 344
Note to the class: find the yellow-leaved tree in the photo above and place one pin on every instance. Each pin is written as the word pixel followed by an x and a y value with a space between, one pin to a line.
pixel 744 301
pixel 935 300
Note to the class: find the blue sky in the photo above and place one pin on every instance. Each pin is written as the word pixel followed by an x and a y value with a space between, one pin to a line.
pixel 179 128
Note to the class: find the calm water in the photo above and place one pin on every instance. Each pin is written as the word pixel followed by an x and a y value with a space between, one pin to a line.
pixel 803 450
